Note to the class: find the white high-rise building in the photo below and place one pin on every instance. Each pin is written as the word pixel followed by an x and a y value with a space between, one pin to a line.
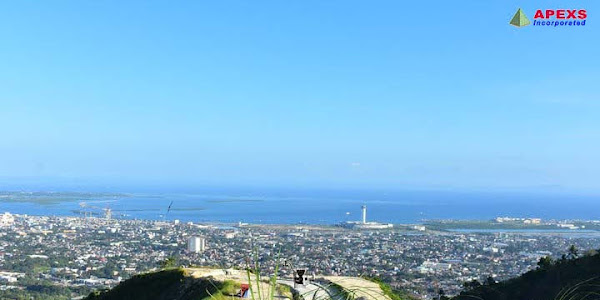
pixel 196 244
pixel 364 214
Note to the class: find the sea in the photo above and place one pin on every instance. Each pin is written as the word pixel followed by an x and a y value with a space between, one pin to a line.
pixel 305 206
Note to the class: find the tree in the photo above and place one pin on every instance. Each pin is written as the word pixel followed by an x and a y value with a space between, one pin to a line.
pixel 470 285
pixel 545 262
pixel 573 252
pixel 563 258
pixel 442 295
pixel 168 263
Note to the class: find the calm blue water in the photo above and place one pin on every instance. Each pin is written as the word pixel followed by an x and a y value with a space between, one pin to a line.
pixel 326 207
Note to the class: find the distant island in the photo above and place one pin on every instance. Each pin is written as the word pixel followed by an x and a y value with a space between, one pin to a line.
pixel 49 198
pixel 508 223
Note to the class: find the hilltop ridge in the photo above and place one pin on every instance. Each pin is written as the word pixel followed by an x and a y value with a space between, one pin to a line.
pixel 216 284
pixel 166 284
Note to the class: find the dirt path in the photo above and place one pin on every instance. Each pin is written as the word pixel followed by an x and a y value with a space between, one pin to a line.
pixel 237 276
pixel 314 291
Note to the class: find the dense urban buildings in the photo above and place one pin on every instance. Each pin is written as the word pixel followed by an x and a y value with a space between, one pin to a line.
pixel 97 253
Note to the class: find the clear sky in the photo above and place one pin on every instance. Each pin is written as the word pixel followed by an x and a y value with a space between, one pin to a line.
pixel 299 93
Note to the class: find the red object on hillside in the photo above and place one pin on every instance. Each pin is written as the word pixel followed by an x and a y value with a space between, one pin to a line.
pixel 244 290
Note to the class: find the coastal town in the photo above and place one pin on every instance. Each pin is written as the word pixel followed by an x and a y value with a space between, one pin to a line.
pixel 82 254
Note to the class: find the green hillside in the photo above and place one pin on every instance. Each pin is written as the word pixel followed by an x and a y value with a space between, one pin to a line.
pixel 568 278
pixel 167 285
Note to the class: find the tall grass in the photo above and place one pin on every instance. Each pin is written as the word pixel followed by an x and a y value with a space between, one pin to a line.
pixel 270 289
pixel 585 290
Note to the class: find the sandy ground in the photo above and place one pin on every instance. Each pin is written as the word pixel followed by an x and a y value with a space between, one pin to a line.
pixel 314 291
pixel 366 289
pixel 362 288
pixel 235 275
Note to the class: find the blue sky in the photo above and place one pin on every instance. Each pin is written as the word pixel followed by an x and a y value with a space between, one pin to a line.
pixel 424 94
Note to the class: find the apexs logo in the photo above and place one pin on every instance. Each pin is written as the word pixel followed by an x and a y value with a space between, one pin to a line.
pixel 551 18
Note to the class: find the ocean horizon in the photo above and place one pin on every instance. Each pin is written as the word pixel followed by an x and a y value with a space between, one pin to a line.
pixel 309 206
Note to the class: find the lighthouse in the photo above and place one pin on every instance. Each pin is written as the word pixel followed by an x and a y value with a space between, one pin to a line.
pixel 363 224
pixel 364 214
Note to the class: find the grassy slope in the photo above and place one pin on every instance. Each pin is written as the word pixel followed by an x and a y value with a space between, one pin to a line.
pixel 168 284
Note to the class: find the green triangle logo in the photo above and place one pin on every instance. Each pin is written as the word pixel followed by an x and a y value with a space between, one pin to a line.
pixel 520 19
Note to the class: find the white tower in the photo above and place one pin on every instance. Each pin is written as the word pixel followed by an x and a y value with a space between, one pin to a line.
pixel 364 214
pixel 196 244
pixel 108 213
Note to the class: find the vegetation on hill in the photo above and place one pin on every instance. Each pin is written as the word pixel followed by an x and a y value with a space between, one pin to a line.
pixel 392 293
pixel 175 284
pixel 569 278
pixel 168 284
